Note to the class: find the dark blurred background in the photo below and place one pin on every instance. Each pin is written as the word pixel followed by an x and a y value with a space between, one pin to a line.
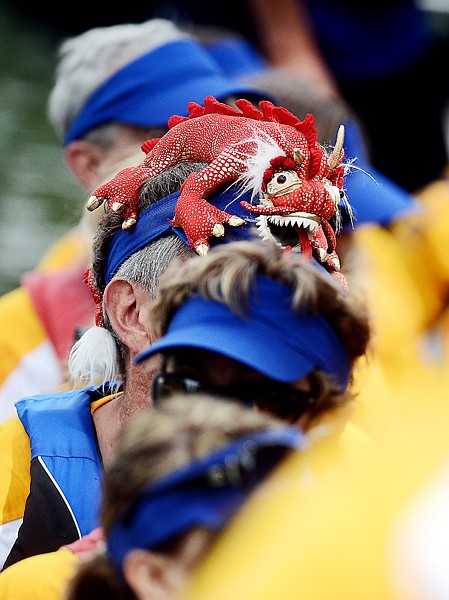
pixel 39 199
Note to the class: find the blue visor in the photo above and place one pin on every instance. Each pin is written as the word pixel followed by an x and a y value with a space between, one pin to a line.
pixel 206 493
pixel 149 90
pixel 271 338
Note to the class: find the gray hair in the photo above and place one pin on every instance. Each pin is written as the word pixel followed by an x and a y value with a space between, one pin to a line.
pixel 89 59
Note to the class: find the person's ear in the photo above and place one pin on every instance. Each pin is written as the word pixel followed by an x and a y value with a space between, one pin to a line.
pixel 148 575
pixel 84 160
pixel 127 305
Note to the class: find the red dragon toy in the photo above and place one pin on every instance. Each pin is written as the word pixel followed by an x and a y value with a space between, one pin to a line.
pixel 296 186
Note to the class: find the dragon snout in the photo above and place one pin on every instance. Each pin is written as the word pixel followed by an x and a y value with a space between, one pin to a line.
pixel 261 209
pixel 312 199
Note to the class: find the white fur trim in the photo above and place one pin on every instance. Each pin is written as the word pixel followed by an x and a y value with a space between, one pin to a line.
pixel 93 358
pixel 256 164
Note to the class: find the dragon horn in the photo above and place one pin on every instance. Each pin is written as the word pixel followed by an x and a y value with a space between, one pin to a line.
pixel 298 156
pixel 335 156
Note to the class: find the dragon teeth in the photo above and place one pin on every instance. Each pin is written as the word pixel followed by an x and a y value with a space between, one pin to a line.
pixel 280 221
pixel 264 231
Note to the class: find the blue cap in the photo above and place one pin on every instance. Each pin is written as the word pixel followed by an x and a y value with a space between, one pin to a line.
pixel 149 90
pixel 207 493
pixel 372 196
pixel 271 337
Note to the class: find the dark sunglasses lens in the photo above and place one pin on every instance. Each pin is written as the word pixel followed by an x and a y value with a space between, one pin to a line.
pixel 282 400
pixel 279 399
pixel 166 384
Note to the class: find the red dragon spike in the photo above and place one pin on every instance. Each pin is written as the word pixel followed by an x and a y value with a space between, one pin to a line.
pixel 282 115
pixel 214 107
pixel 308 127
pixel 267 109
pixel 195 110
pixel 175 120
pixel 249 110
pixel 149 145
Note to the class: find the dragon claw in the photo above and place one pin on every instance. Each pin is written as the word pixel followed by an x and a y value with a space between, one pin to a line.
pixel 236 221
pixel 322 253
pixel 218 230
pixel 202 249
pixel 121 194
pixel 129 223
pixel 93 203
pixel 335 261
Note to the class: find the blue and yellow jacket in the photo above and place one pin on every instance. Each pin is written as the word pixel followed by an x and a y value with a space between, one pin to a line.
pixel 54 501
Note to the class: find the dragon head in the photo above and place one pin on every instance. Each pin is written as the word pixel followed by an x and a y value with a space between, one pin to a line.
pixel 300 196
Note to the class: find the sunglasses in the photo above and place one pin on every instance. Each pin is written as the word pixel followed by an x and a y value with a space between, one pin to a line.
pixel 279 399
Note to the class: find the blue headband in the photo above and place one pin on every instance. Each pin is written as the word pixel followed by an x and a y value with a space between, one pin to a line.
pixel 154 222
pixel 272 338
pixel 149 90
pixel 207 493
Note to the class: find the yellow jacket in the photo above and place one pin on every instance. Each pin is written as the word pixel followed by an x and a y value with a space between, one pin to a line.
pixel 328 526
pixel 41 577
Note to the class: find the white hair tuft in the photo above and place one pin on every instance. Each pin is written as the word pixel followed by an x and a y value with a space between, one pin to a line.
pixel 93 359
pixel 258 163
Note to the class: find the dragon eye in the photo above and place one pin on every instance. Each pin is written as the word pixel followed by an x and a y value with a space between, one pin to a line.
pixel 281 182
